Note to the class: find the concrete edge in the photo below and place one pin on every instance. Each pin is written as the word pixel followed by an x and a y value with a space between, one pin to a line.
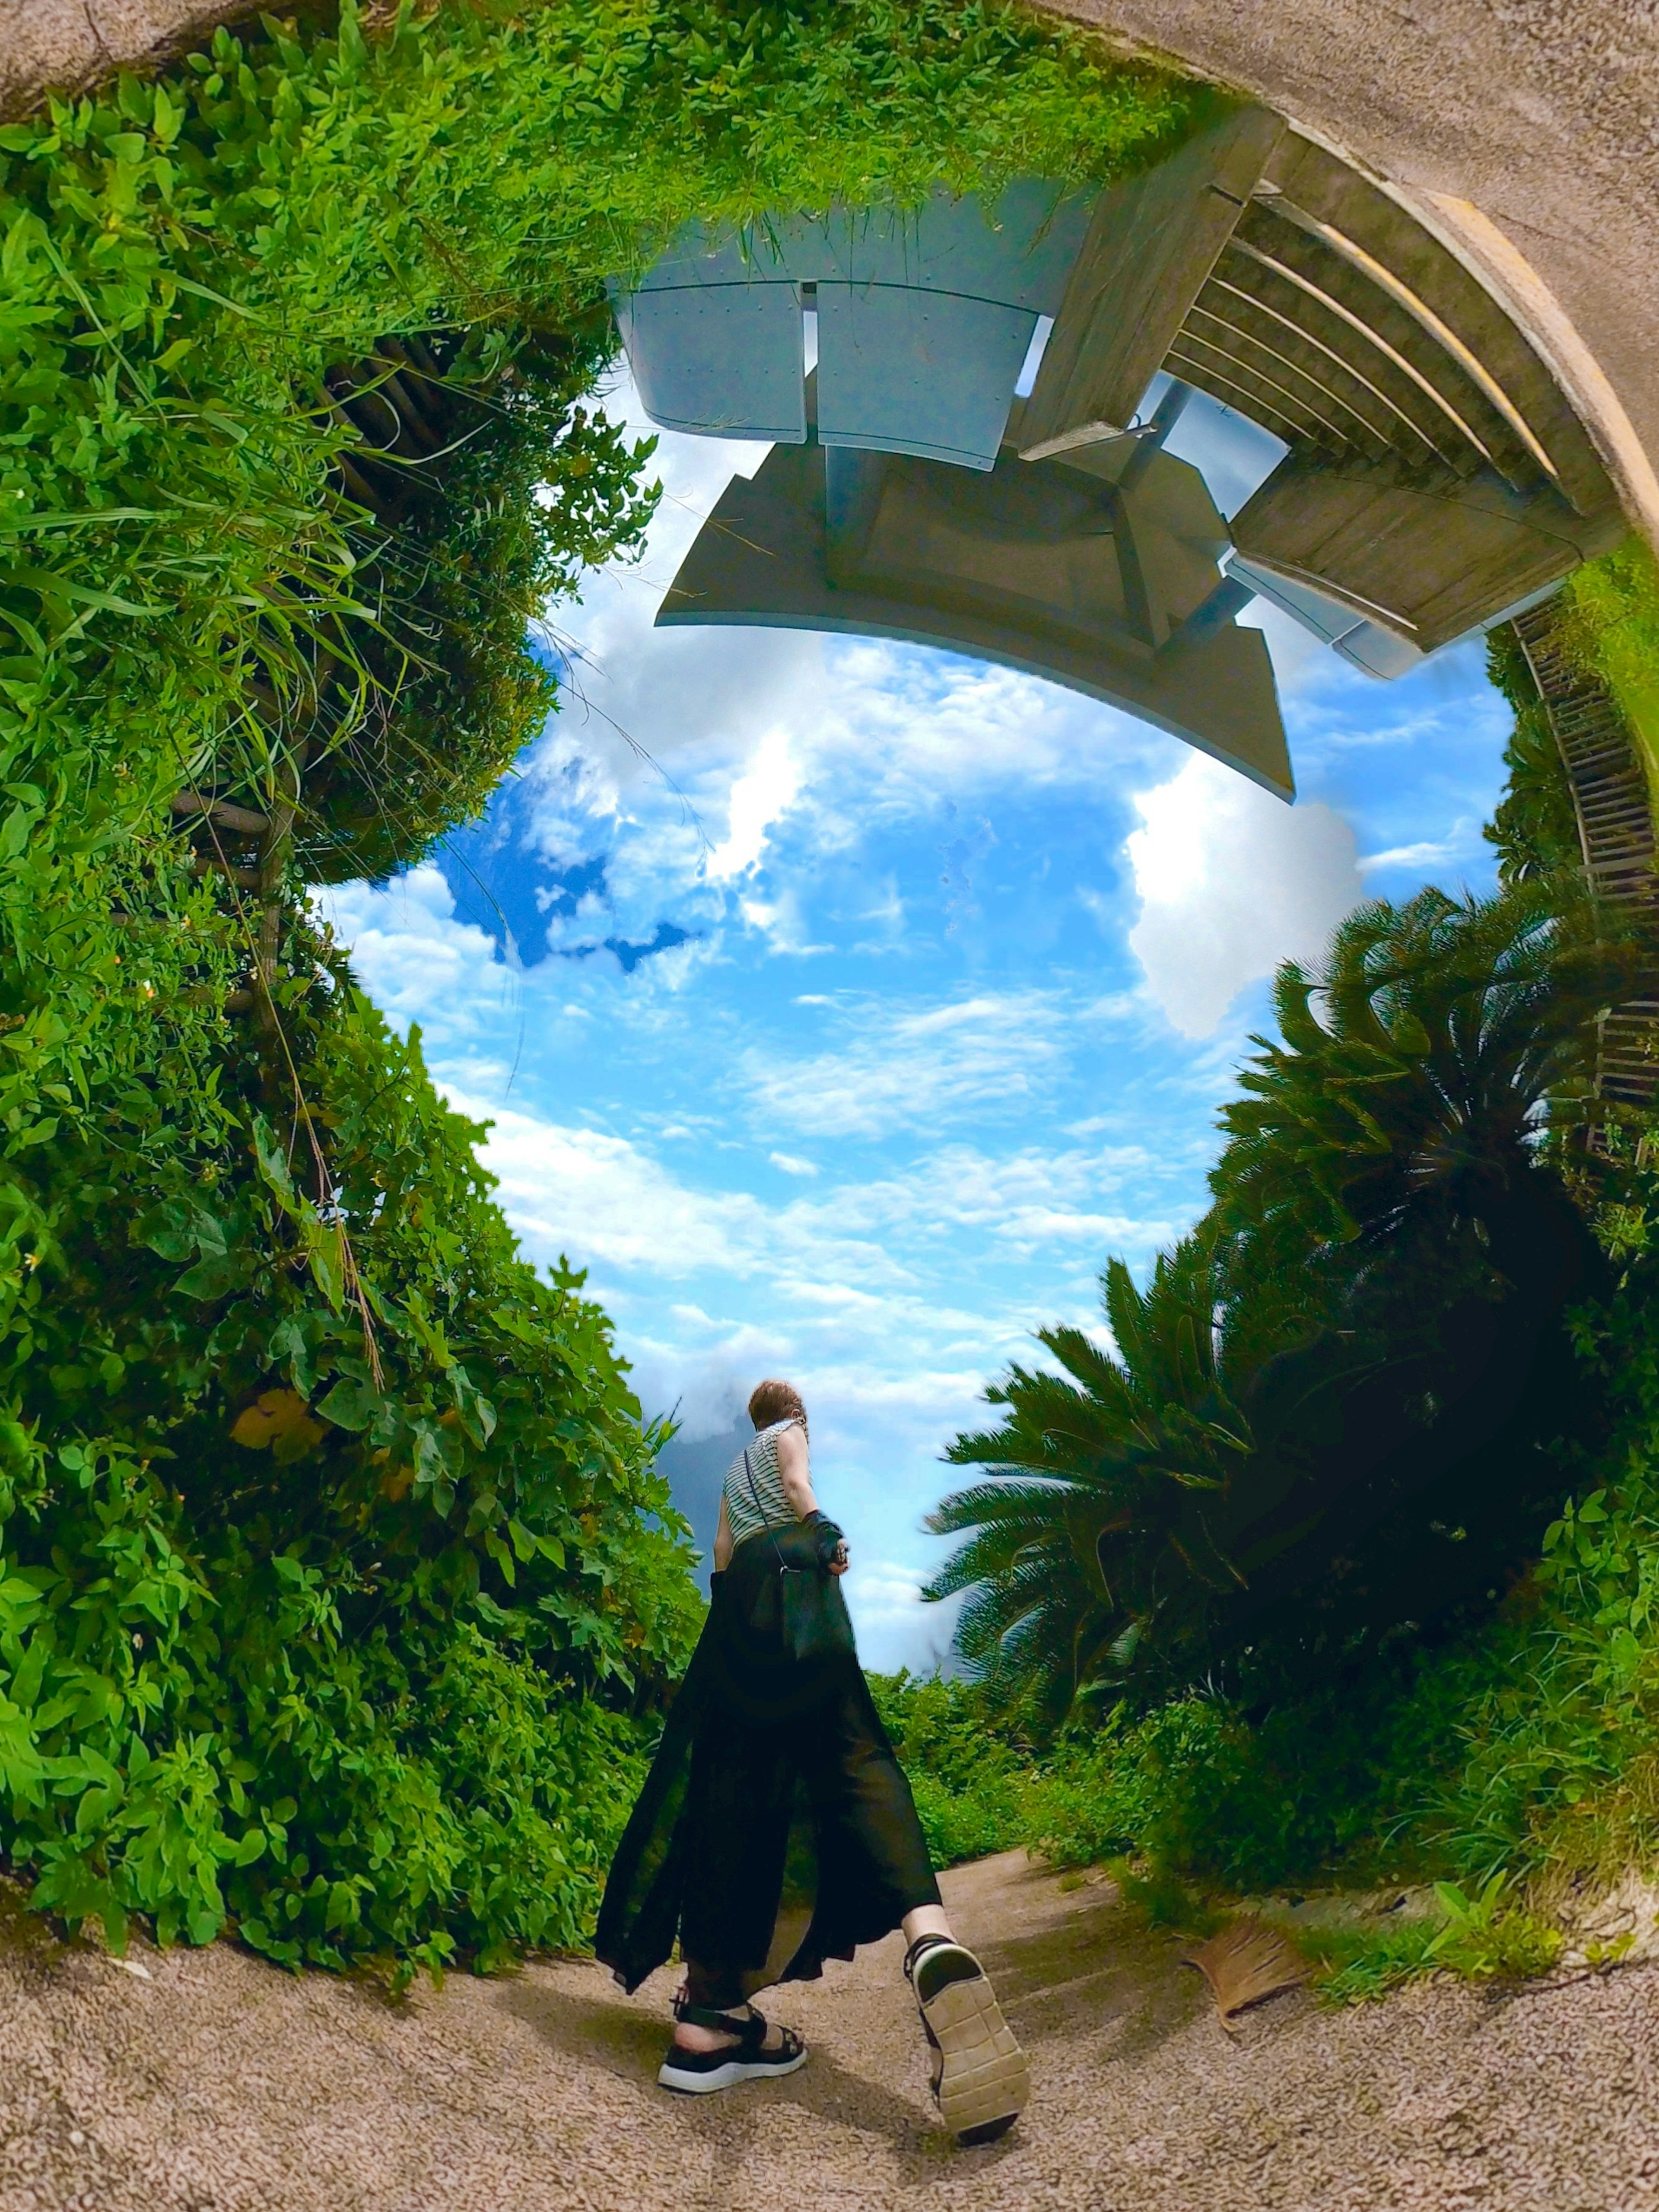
pixel 1495 261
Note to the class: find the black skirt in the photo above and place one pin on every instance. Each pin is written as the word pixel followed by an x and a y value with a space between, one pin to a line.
pixel 776 1829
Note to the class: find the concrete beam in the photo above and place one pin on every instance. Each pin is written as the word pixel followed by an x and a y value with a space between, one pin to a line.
pixel 66 44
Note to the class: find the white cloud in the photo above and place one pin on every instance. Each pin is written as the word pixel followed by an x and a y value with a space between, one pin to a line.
pixel 416 960
pixel 1462 843
pixel 787 1163
pixel 1031 1200
pixel 884 1590
pixel 854 1290
pixel 759 796
pixel 600 1199
pixel 1232 882
pixel 913 1068
pixel 1427 854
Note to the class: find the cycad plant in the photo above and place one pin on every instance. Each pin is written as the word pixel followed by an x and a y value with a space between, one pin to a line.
pixel 1107 1478
pixel 1402 1108
pixel 1323 1417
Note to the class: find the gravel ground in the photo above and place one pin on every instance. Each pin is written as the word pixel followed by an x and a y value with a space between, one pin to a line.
pixel 217 2084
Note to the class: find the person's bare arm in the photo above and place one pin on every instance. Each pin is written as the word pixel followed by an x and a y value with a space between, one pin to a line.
pixel 794 1472
pixel 723 1542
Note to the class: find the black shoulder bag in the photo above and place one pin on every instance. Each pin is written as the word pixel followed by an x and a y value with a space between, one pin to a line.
pixel 812 1611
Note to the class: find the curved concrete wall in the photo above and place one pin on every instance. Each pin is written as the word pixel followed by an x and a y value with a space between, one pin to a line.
pixel 1538 118
pixel 73 42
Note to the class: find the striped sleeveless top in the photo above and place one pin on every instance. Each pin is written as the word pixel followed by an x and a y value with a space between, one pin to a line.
pixel 741 1517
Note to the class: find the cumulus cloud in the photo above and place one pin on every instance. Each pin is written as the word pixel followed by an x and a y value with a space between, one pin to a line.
pixel 598 1198
pixel 855 1285
pixel 416 960
pixel 1232 882
pixel 761 793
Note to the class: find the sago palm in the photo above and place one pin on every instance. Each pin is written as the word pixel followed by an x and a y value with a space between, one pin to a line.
pixel 1321 1417
pixel 1403 1108
pixel 1108 1479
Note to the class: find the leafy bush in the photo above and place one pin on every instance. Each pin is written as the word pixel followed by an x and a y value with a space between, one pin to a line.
pixel 276 1472
pixel 1507 1751
pixel 337 1588
pixel 970 1772
pixel 529 485
pixel 1610 623
pixel 185 261
pixel 1514 1763
pixel 1535 826
pixel 1486 1937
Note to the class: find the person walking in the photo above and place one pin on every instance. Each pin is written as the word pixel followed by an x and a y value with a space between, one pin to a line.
pixel 776 1829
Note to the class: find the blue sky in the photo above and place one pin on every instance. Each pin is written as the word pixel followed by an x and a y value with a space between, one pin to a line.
pixel 843 1006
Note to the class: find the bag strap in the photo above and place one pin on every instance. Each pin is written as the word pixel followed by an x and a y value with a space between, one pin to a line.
pixel 761 1509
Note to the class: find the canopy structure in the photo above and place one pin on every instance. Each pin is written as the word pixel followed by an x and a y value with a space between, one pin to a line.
pixel 1436 478
pixel 1439 477
pixel 1097 570
pixel 924 321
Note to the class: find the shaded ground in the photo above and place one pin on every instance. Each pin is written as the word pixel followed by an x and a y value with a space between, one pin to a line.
pixel 220 2085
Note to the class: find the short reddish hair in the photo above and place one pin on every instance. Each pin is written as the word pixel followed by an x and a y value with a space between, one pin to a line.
pixel 776 1401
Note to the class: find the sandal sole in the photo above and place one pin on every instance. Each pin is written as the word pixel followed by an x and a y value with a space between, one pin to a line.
pixel 728 2076
pixel 985 2078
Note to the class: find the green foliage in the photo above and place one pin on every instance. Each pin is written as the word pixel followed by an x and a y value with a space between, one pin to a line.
pixel 1361 1961
pixel 1506 1747
pixel 182 262
pixel 528 487
pixel 1514 1764
pixel 1485 1936
pixel 1535 827
pixel 259 1529
pixel 1162 1901
pixel 336 1584
pixel 969 1770
pixel 1097 1509
pixel 1610 622
pixel 1481 1938
pixel 1321 1418
pixel 1401 1110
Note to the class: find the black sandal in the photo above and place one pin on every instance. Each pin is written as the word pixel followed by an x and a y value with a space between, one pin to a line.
pixel 981 2079
pixel 694 2073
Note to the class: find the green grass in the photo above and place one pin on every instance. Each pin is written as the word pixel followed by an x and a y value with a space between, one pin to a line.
pixel 1613 608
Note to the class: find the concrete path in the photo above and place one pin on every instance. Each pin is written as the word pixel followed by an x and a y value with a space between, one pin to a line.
pixel 216 2084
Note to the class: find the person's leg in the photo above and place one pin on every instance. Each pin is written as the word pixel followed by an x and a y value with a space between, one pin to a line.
pixel 716 2046
pixel 981 2078
pixel 926 1920
pixel 735 1828
pixel 704 1991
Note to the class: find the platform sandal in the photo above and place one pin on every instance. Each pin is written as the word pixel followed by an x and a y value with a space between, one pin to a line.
pixel 982 2079
pixel 694 2073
